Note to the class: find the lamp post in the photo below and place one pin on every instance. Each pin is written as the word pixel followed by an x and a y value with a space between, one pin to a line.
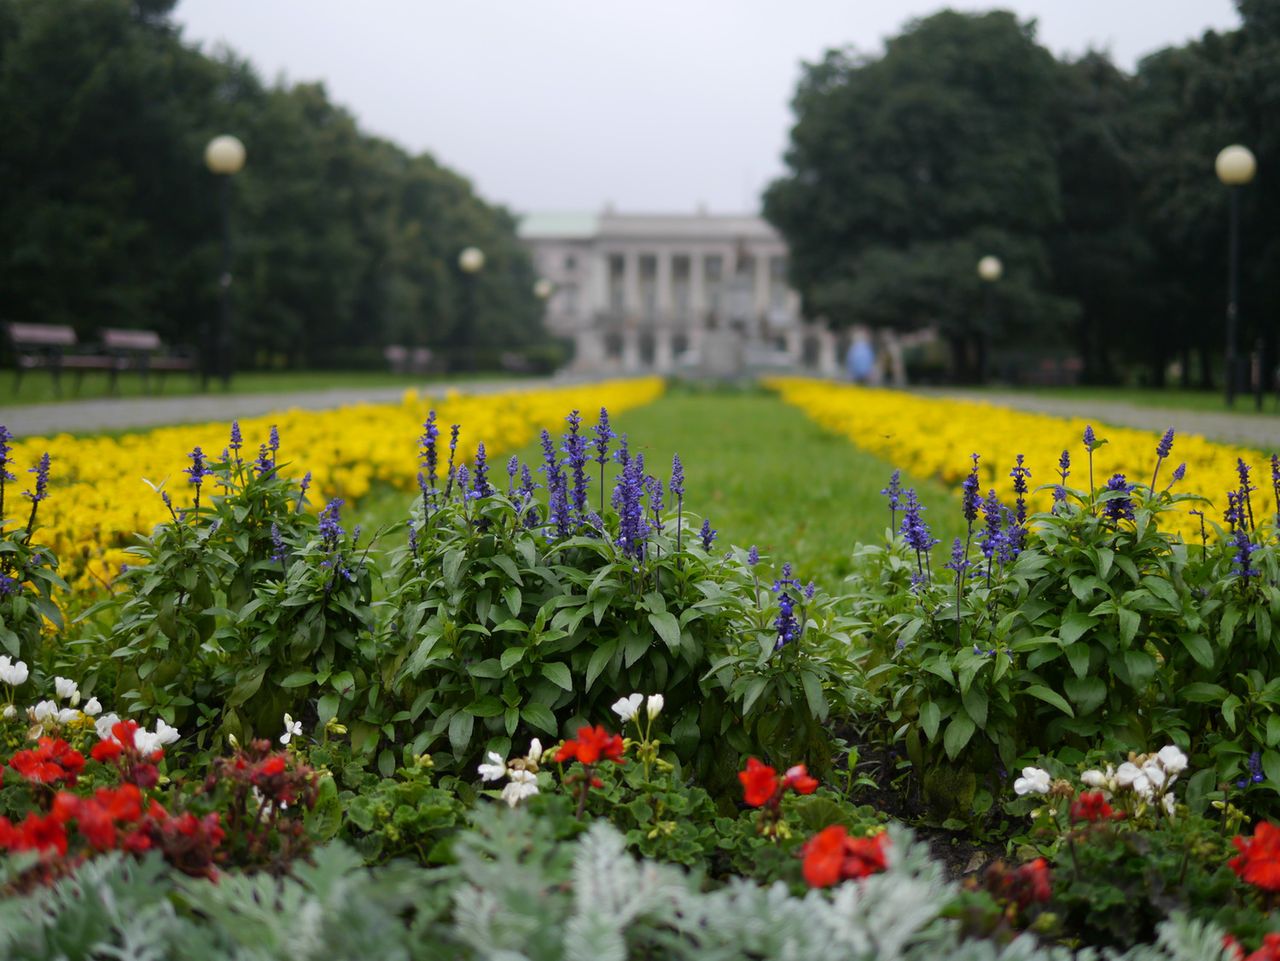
pixel 224 156
pixel 470 262
pixel 990 270
pixel 1235 167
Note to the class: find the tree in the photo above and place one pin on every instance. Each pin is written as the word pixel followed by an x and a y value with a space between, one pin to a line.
pixel 905 170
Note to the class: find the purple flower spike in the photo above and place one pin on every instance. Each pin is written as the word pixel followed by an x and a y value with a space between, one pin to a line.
pixel 707 534
pixel 753 556
pixel 1166 444
pixel 1118 508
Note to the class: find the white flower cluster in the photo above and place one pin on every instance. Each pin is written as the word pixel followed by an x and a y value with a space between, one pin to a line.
pixel 13 673
pixel 628 707
pixel 521 773
pixel 147 742
pixel 1149 776
pixel 1034 780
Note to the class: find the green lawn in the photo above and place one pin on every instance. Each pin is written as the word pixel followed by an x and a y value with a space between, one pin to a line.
pixel 763 474
pixel 37 386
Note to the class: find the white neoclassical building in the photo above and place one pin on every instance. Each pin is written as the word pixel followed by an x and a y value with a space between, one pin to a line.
pixel 658 292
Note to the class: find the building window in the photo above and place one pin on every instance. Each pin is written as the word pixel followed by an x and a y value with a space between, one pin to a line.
pixel 570 263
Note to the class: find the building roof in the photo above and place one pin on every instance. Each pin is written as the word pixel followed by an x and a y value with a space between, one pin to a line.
pixel 705 226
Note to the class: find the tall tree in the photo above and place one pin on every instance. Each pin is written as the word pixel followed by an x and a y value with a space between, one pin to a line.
pixel 905 170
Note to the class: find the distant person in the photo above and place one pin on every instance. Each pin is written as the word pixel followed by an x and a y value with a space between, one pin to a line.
pixel 861 359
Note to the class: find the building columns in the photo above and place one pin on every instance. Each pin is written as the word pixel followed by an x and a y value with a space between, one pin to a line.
pixel 662 350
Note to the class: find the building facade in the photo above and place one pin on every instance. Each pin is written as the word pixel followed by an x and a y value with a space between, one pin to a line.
pixel 700 293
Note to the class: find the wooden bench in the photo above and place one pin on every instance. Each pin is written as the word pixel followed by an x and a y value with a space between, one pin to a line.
pixel 53 347
pixel 49 346
pixel 143 351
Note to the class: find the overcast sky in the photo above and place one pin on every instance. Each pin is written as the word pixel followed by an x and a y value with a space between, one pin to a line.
pixel 559 105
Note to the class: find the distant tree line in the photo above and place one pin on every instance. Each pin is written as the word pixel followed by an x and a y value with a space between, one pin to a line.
pixel 344 242
pixel 1095 187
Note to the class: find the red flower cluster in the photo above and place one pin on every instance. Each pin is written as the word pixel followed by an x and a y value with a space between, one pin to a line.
pixel 761 785
pixel 591 745
pixel 49 762
pixel 1024 886
pixel 1259 859
pixel 119 750
pixel 114 819
pixel 1270 950
pixel 1093 806
pixel 832 856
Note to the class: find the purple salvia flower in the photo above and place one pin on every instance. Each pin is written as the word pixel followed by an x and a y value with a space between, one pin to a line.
pixel 677 477
pixel 628 494
pixel 1180 471
pixel 753 556
pixel 264 464
pixel 5 460
pixel 413 540
pixel 463 476
pixel 329 525
pixel 453 449
pixel 526 489
pixel 1162 451
pixel 1064 469
pixel 1090 439
pixel 236 440
pixel 622 455
pixel 1011 544
pixel 306 483
pixel 958 562
pixel 654 486
pixel 809 590
pixel 279 552
pixel 1234 514
pixel 1020 475
pixel 513 468
pixel 480 478
pixel 603 434
pixel 575 451
pixel 707 534
pixel 273 440
pixel 197 471
pixel 1275 485
pixel 785 623
pixel 892 491
pixel 1242 561
pixel 428 458
pixel 1118 508
pixel 1245 490
pixel 970 495
pixel 41 470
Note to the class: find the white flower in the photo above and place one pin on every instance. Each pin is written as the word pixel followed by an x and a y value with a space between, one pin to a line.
pixel 1172 759
pixel 1034 780
pixel 13 673
pixel 67 690
pixel 44 711
pixel 1154 773
pixel 1169 804
pixel 292 729
pixel 165 734
pixel 104 725
pixel 627 707
pixel 1127 773
pixel 654 705
pixel 146 742
pixel 1094 779
pixel 523 784
pixel 535 751
pixel 9 712
pixel 496 768
pixel 92 707
pixel 67 714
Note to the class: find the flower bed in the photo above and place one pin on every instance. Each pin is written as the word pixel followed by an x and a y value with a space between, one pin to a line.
pixel 562 671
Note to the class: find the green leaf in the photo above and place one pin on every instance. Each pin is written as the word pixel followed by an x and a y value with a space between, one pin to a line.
pixel 558 674
pixel 1050 697
pixel 813 694
pixel 1199 648
pixel 460 727
pixel 1273 731
pixel 1075 625
pixel 959 731
pixel 1087 693
pixel 930 718
pixel 1202 693
pixel 298 679
pixel 668 628
pixel 600 660
pixel 1141 667
pixel 511 657
pixel 1271 767
pixel 540 716
pixel 490 668
pixel 1229 707
pixel 488 706
pixel 453 563
pixel 1129 624
pixel 975 705
pixel 1078 656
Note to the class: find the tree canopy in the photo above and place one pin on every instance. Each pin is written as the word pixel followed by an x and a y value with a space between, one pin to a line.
pixel 343 242
pixel 1094 187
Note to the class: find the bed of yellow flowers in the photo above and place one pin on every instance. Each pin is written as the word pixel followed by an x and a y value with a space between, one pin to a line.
pixel 934 437
pixel 102 489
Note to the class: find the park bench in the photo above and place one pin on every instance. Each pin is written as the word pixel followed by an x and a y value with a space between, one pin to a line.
pixel 54 347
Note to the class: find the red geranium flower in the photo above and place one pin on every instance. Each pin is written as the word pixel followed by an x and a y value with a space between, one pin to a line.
pixel 759 783
pixel 592 745
pixel 798 780
pixel 1259 859
pixel 1092 806
pixel 49 762
pixel 831 856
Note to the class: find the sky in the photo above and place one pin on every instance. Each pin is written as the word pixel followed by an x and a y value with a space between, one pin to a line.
pixel 572 105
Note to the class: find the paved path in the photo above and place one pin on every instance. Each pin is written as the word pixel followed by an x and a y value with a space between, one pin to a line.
pixel 88 416
pixel 1261 431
